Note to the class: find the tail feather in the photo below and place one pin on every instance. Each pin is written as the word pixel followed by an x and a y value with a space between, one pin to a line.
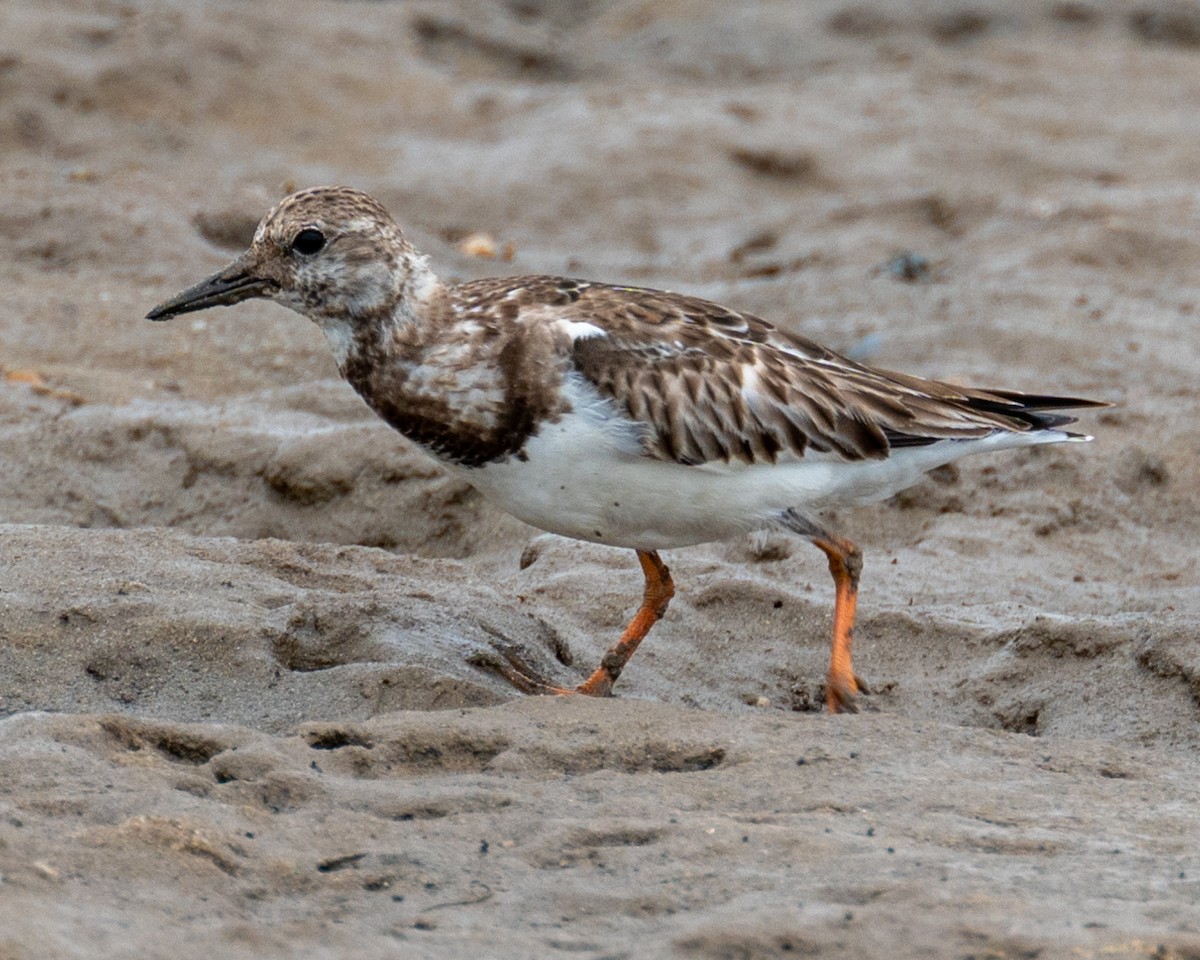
pixel 1023 410
pixel 1028 401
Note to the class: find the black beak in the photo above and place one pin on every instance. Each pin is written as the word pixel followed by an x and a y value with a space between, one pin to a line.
pixel 232 285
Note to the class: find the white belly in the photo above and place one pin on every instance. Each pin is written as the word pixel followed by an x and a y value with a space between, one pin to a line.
pixel 584 478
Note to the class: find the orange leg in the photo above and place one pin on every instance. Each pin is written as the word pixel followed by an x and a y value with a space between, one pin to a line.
pixel 655 598
pixel 845 563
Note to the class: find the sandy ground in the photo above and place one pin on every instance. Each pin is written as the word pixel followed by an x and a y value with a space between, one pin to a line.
pixel 239 617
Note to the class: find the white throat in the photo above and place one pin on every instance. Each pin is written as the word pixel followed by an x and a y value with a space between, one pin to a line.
pixel 419 287
pixel 339 334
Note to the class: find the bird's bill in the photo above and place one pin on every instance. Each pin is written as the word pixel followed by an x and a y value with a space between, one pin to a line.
pixel 234 284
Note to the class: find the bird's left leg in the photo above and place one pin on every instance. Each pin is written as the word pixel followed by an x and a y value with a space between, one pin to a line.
pixel 845 563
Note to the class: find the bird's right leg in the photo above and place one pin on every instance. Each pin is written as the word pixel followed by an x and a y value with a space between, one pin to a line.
pixel 656 596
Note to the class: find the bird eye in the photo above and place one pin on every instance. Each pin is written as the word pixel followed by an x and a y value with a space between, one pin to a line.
pixel 308 241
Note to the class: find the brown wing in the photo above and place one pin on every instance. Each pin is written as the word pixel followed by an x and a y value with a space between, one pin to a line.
pixel 713 384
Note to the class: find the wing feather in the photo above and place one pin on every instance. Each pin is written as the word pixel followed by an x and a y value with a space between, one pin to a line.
pixel 712 384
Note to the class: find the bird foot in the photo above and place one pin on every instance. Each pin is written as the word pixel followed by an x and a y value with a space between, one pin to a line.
pixel 841 694
pixel 510 665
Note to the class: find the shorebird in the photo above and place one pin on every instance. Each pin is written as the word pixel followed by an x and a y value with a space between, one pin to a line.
pixel 615 414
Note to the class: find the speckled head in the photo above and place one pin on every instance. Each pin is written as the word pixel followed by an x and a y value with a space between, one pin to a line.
pixel 333 254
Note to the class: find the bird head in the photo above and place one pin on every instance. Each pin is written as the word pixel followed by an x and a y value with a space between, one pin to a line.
pixel 333 254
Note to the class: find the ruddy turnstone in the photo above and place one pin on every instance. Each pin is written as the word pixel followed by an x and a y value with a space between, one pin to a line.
pixel 621 415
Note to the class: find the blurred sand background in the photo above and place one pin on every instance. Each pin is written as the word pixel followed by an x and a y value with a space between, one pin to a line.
pixel 238 615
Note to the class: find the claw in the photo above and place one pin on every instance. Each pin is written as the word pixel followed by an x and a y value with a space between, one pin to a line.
pixel 658 592
pixel 840 700
pixel 843 698
pixel 510 666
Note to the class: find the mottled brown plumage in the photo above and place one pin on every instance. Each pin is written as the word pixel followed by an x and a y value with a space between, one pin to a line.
pixel 617 414
pixel 682 365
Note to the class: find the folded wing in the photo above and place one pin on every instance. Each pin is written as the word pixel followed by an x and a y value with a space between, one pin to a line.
pixel 711 384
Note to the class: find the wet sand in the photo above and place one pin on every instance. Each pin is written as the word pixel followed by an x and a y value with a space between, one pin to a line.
pixel 240 619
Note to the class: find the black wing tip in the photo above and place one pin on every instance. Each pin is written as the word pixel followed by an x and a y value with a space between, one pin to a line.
pixel 1029 411
pixel 1024 413
pixel 1046 421
pixel 1013 399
